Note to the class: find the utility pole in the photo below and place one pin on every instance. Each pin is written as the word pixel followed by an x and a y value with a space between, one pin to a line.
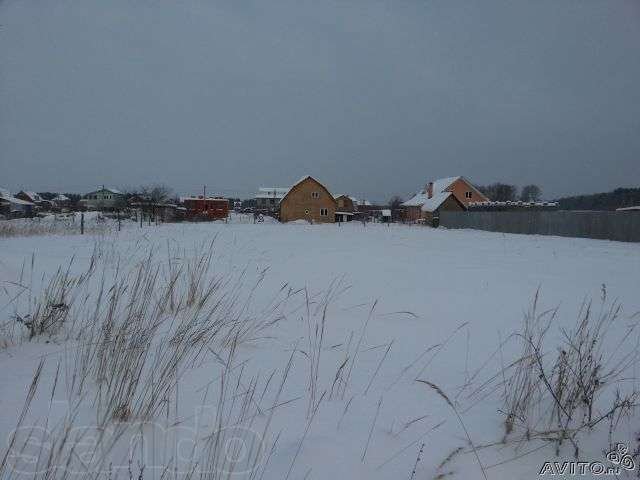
pixel 204 198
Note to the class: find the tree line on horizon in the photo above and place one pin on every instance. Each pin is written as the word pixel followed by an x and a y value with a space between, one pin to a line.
pixel 618 198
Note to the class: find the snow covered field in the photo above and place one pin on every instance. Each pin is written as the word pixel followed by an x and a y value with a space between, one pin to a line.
pixel 305 347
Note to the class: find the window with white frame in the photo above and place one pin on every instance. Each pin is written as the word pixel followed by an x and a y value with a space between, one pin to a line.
pixel 468 194
pixel 324 212
pixel 315 194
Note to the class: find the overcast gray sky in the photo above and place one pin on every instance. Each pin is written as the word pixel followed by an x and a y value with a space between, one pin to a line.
pixel 371 97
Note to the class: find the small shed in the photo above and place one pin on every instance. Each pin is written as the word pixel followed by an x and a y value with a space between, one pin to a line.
pixel 341 217
pixel 433 206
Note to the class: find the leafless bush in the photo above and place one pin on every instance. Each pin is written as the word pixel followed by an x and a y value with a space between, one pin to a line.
pixel 133 333
pixel 315 317
pixel 151 323
pixel 555 393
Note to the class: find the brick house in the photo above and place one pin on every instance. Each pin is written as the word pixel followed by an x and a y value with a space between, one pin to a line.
pixel 308 200
pixel 210 208
pixel 452 193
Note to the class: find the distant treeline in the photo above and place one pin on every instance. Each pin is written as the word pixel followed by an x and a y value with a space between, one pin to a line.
pixel 620 197
pixel 504 192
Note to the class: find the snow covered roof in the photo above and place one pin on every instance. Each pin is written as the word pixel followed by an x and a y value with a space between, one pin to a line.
pixel 416 201
pixel 60 198
pixel 439 186
pixel 16 201
pixel 628 209
pixel 386 212
pixel 103 189
pixel 353 199
pixel 433 203
pixel 7 197
pixel 200 197
pixel 33 196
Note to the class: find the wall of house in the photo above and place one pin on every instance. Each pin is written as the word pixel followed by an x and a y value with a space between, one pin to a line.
pixel 460 187
pixel 449 205
pixel 301 204
pixel 102 200
pixel 411 214
pixel 344 204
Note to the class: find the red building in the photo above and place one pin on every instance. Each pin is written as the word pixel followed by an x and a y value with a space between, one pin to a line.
pixel 210 208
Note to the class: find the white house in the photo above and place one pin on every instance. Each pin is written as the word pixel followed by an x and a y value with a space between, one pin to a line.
pixel 103 199
pixel 268 198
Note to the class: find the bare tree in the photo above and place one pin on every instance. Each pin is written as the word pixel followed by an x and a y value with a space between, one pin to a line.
pixel 155 193
pixel 530 193
pixel 500 192
pixel 395 202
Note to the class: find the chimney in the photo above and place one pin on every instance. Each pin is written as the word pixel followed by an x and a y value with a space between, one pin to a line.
pixel 429 189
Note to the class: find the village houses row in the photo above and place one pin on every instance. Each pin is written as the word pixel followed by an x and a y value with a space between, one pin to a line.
pixel 307 199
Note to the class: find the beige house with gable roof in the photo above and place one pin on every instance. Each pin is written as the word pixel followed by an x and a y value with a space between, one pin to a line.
pixel 309 200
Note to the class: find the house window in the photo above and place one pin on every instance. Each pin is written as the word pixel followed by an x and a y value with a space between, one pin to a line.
pixel 324 212
pixel 315 195
pixel 468 194
pixel 306 212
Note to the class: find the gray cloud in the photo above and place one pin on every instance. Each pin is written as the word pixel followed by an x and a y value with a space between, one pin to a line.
pixel 372 97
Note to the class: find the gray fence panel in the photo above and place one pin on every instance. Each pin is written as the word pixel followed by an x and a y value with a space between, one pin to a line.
pixel 621 226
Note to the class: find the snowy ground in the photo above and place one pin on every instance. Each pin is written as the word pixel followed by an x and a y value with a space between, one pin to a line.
pixel 443 301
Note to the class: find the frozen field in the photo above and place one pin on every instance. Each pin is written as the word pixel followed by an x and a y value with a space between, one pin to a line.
pixel 305 347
